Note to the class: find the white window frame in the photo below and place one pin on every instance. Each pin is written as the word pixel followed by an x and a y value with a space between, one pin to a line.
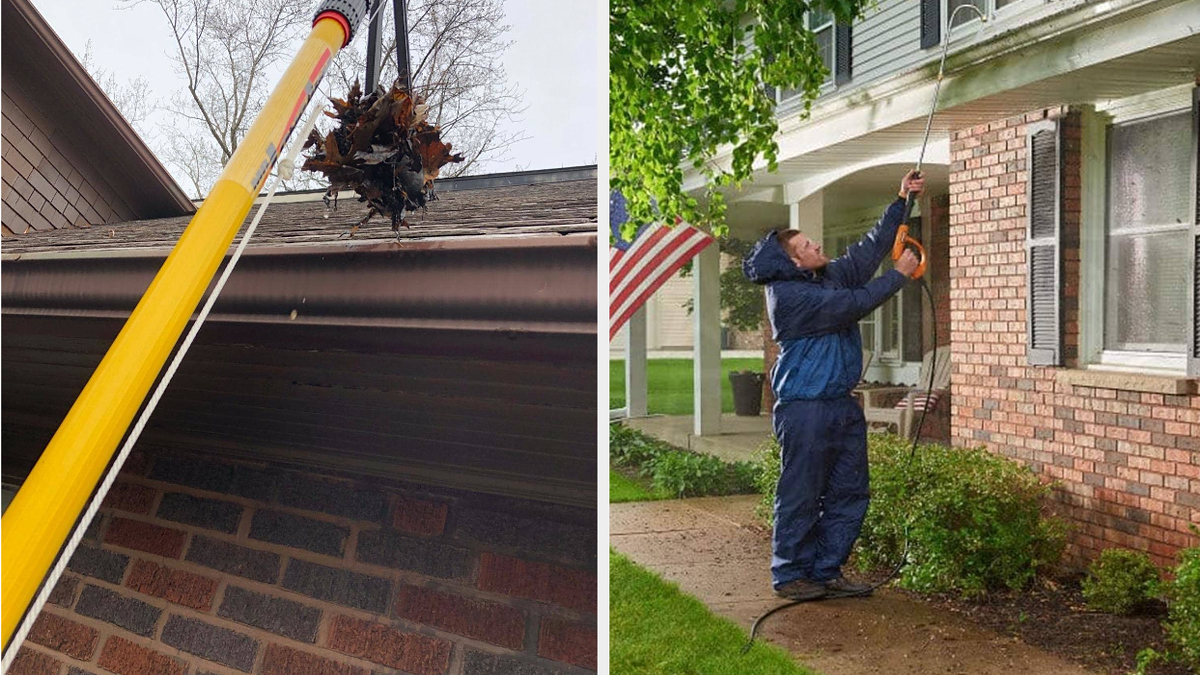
pixel 1094 240
pixel 993 13
pixel 828 85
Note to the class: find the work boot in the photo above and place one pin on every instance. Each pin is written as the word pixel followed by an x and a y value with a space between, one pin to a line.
pixel 843 586
pixel 801 589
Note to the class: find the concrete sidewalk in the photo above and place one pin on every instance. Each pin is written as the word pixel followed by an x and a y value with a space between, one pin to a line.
pixel 712 550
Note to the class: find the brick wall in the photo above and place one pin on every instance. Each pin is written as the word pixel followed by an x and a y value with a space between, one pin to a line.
pixel 46 181
pixel 1127 462
pixel 200 567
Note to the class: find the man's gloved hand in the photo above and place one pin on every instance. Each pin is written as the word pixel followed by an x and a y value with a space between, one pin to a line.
pixel 907 264
pixel 911 183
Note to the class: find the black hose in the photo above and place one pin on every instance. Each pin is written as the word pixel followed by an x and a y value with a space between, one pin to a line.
pixel 911 454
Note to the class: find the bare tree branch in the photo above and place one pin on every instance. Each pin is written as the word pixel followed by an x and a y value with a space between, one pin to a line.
pixel 228 51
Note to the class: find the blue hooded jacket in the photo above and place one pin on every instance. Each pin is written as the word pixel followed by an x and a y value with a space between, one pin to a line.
pixel 814 314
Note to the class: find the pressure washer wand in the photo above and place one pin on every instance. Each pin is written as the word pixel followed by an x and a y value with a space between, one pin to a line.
pixel 903 240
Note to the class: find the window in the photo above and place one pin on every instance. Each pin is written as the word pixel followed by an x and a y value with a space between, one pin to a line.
pixel 881 329
pixel 988 7
pixel 820 22
pixel 1147 236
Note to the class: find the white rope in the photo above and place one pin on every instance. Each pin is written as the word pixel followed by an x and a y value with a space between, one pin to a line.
pixel 89 513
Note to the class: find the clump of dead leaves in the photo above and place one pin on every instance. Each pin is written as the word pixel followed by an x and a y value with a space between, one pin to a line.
pixel 384 149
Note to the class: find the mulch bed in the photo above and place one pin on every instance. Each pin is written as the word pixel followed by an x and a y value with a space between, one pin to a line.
pixel 1052 616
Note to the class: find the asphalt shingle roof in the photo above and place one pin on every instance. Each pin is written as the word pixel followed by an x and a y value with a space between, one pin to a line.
pixel 561 207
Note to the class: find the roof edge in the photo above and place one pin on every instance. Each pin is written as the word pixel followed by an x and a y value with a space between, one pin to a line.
pixel 107 109
pixel 481 181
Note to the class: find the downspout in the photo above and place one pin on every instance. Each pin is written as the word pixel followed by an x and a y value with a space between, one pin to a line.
pixel 41 516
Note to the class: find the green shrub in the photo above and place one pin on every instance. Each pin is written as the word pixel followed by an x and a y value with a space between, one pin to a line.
pixel 1183 618
pixel 1119 580
pixel 688 474
pixel 1183 615
pixel 678 472
pixel 769 464
pixel 973 519
pixel 628 447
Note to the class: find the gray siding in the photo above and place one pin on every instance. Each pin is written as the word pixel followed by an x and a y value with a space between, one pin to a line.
pixel 887 41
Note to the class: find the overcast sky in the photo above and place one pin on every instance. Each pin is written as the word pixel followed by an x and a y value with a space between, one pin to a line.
pixel 553 58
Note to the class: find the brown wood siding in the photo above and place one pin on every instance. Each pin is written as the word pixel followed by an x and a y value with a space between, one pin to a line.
pixel 48 183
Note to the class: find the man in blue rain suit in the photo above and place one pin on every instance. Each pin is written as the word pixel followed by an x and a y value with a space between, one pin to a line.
pixel 814 304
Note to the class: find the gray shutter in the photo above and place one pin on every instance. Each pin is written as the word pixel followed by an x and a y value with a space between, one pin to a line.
pixel 842 54
pixel 1043 212
pixel 931 23
pixel 1193 362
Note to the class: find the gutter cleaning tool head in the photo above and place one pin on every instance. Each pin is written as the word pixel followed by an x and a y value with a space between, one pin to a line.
pixel 903 240
pixel 384 149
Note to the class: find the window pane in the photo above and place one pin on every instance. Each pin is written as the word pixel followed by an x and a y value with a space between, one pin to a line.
pixel 867 327
pixel 890 317
pixel 819 17
pixel 1149 170
pixel 1003 3
pixel 825 46
pixel 966 15
pixel 1146 307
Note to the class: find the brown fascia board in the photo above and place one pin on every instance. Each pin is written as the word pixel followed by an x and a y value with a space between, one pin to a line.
pixel 35 53
pixel 542 284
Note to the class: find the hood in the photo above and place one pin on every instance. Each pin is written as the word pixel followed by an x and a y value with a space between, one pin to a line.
pixel 767 262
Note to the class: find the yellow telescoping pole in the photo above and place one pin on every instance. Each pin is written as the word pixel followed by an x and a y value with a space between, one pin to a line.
pixel 40 517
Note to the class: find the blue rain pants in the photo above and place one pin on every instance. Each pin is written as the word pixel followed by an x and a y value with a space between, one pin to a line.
pixel 823 488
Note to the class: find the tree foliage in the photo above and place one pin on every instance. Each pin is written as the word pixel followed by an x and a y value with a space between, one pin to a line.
pixel 686 82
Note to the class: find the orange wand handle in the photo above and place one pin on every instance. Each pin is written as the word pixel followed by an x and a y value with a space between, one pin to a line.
pixel 903 240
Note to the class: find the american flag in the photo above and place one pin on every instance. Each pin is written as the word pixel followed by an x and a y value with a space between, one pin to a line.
pixel 636 269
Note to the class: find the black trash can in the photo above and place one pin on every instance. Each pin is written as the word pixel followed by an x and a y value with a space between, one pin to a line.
pixel 747 392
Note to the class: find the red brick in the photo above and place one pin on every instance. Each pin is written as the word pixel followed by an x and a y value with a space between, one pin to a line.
pixel 126 658
pixel 182 588
pixel 419 516
pixel 130 497
pixel 410 652
pixel 488 621
pixel 155 539
pixel 135 463
pixel 569 642
pixel 566 586
pixel 64 591
pixel 280 660
pixel 63 635
pixel 29 662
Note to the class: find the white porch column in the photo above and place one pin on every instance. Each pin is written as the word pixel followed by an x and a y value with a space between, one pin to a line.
pixel 706 357
pixel 808 216
pixel 635 365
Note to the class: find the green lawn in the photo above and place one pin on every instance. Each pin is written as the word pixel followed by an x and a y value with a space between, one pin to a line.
pixel 621 488
pixel 658 630
pixel 670 384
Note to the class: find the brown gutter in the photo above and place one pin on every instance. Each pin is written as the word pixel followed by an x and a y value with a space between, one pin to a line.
pixel 20 16
pixel 542 284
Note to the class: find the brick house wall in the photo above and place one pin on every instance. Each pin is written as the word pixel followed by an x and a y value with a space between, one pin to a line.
pixel 47 181
pixel 196 566
pixel 1127 463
